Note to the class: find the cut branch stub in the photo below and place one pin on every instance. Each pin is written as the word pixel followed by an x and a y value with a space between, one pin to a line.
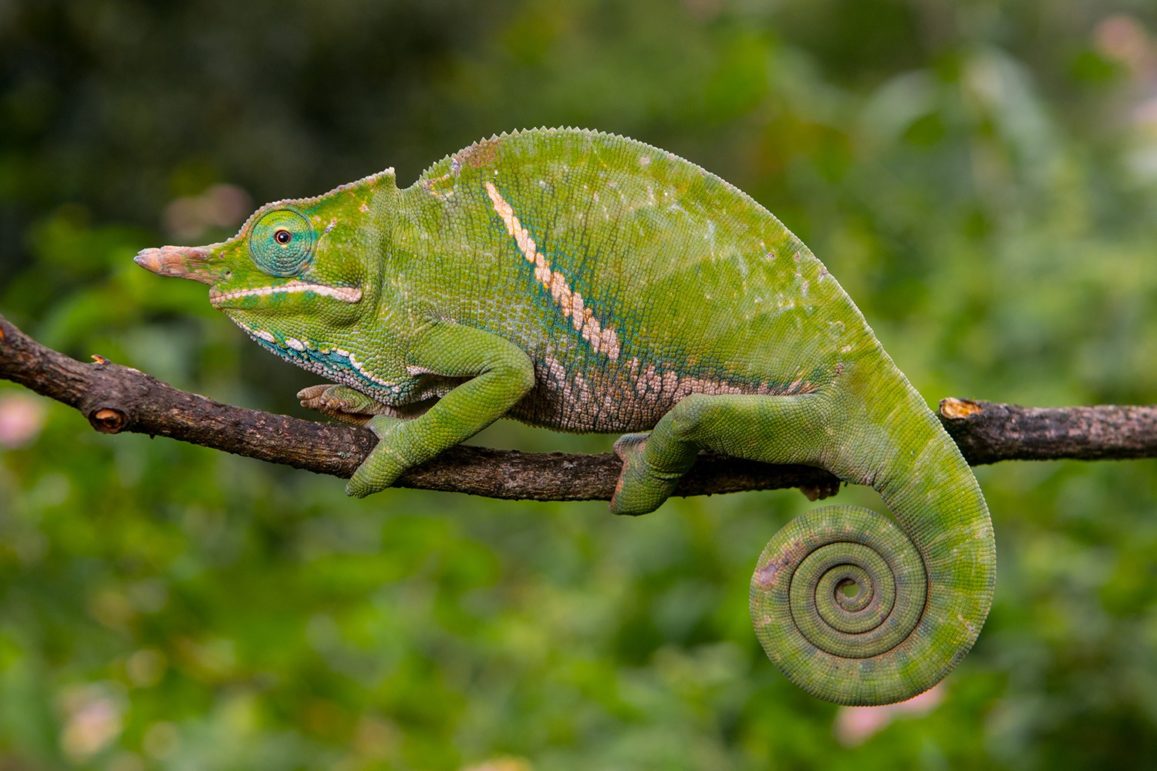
pixel 988 432
pixel 108 420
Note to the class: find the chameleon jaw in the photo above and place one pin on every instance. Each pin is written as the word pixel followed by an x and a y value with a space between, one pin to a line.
pixel 345 294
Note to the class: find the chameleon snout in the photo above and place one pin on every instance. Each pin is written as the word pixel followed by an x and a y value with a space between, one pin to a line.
pixel 193 262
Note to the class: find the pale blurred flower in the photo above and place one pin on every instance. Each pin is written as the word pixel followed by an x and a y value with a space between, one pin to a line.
pixel 855 725
pixel 21 418
pixel 220 206
pixel 1124 39
pixel 92 720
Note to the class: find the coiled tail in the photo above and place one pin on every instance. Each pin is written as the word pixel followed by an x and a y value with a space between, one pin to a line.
pixel 856 608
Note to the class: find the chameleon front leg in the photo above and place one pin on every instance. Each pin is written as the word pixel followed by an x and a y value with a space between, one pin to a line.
pixel 500 375
pixel 773 429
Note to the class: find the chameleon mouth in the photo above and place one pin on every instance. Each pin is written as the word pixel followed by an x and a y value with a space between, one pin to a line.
pixel 345 294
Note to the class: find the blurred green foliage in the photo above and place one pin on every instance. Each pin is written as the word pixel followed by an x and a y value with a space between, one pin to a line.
pixel 980 176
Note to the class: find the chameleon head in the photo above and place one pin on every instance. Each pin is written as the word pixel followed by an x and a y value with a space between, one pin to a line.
pixel 295 270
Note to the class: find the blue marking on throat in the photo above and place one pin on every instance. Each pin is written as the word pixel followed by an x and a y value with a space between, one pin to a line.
pixel 334 365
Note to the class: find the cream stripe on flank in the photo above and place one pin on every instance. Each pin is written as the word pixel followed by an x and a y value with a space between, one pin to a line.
pixel 602 338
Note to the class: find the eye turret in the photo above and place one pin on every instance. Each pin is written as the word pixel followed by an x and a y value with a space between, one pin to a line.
pixel 281 243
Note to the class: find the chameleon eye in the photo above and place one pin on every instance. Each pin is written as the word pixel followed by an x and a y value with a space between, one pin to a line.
pixel 281 243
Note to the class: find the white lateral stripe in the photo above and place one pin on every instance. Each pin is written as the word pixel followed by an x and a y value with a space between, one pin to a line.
pixel 602 338
pixel 347 294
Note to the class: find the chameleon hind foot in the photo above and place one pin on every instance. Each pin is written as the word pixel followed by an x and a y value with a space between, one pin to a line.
pixel 640 488
pixel 773 429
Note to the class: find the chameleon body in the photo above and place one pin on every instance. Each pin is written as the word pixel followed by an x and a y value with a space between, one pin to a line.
pixel 589 282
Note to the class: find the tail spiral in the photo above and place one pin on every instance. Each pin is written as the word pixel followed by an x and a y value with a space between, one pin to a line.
pixel 840 602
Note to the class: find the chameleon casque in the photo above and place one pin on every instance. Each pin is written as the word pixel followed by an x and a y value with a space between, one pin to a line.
pixel 590 282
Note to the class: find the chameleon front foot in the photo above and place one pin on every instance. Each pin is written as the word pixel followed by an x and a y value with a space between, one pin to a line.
pixel 340 402
pixel 384 464
pixel 640 488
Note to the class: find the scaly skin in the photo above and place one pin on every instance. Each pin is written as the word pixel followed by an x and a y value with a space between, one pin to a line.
pixel 588 282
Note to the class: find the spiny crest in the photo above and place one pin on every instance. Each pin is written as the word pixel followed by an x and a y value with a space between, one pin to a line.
pixel 473 148
pixel 481 150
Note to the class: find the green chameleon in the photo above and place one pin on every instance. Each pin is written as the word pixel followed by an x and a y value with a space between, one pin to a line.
pixel 589 282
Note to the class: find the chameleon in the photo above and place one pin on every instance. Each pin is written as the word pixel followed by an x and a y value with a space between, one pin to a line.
pixel 589 282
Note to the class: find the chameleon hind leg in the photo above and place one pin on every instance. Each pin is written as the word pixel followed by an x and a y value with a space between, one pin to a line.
pixel 773 429
pixel 842 599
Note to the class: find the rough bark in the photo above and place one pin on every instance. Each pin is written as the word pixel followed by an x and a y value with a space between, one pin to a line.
pixel 115 398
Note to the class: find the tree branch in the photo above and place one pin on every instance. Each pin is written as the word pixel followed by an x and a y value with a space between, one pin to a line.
pixel 116 398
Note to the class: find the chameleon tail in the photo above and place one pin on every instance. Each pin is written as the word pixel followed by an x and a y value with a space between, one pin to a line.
pixel 858 609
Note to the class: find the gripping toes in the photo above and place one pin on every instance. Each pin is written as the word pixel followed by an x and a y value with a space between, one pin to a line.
pixel 640 488
pixel 340 402
pixel 384 464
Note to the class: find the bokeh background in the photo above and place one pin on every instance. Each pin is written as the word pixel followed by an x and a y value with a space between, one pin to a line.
pixel 980 176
